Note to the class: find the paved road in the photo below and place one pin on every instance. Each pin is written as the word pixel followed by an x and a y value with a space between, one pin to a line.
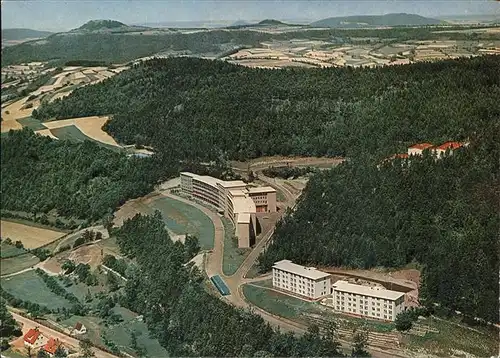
pixel 49 332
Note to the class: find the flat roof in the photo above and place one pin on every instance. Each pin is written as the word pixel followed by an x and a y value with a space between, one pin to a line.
pixel 377 292
pixel 309 272
pixel 203 178
pixel 232 183
pixel 261 189
pixel 243 218
pixel 243 204
pixel 236 192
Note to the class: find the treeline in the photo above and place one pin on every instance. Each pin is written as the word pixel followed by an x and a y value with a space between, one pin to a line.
pixel 120 48
pixel 186 320
pixel 87 63
pixel 54 286
pixel 240 113
pixel 288 172
pixel 441 213
pixel 81 180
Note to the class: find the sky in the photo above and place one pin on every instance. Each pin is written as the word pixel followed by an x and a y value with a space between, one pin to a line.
pixel 61 15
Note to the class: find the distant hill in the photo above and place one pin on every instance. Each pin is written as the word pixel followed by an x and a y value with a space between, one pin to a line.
pixel 95 25
pixel 376 20
pixel 21 34
pixel 240 23
pixel 271 22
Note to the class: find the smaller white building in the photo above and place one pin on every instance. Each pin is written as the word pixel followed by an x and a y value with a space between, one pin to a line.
pixel 371 302
pixel 303 281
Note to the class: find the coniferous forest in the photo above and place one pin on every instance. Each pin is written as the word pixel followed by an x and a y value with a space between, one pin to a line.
pixel 245 113
pixel 188 321
pixel 442 214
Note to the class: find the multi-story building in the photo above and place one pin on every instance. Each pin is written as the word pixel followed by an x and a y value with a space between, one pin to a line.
pixel 303 281
pixel 235 199
pixel 371 302
pixel 440 151
pixel 417 149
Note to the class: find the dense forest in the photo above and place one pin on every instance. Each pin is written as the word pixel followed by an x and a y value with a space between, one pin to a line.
pixel 240 113
pixel 188 321
pixel 82 180
pixel 124 47
pixel 442 214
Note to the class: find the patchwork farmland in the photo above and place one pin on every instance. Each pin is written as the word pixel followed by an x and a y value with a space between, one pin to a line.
pixel 31 236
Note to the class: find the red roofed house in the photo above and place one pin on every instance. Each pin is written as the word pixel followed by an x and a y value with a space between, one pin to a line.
pixel 441 150
pixel 51 346
pixel 418 148
pixel 33 338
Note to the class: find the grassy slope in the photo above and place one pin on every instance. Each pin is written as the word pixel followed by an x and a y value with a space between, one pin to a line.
pixel 29 286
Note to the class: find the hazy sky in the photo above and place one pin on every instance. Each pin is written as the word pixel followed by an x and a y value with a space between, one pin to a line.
pixel 59 15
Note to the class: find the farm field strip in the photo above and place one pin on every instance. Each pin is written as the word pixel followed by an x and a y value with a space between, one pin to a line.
pixel 29 286
pixel 89 126
pixel 31 237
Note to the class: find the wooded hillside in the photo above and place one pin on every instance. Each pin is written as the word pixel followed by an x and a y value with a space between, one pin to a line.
pixel 441 213
pixel 188 321
pixel 82 180
pixel 246 113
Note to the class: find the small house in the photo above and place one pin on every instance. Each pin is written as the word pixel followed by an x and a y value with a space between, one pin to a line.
pixel 33 338
pixel 79 328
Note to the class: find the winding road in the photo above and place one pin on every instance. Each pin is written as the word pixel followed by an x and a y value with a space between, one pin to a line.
pixel 235 282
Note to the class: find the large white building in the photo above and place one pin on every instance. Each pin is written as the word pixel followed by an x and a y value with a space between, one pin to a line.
pixel 235 199
pixel 303 281
pixel 370 302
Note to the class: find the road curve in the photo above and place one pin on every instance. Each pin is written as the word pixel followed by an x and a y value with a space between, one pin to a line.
pixel 49 332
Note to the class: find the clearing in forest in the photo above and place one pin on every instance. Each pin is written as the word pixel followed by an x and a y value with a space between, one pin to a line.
pixel 89 126
pixel 31 236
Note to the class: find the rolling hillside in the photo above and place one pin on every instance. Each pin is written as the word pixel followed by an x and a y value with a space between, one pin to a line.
pixel 376 20
pixel 21 34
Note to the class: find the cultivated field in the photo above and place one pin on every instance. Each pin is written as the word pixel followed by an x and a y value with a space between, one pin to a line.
pixel 31 236
pixel 89 126
pixel 15 264
pixel 29 286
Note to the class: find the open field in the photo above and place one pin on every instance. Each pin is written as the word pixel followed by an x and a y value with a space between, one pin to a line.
pixel 454 338
pixel 31 237
pixel 29 286
pixel 233 256
pixel 89 126
pixel 182 218
pixel 18 263
pixel 7 250
pixel 179 218
pixel 278 303
pixel 31 123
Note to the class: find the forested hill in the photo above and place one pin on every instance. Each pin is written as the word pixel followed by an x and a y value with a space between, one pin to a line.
pixel 123 44
pixel 442 214
pixel 246 113
pixel 81 181
pixel 377 20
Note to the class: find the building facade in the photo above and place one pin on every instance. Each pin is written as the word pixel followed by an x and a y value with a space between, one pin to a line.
pixel 235 199
pixel 418 149
pixel 369 302
pixel 300 280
